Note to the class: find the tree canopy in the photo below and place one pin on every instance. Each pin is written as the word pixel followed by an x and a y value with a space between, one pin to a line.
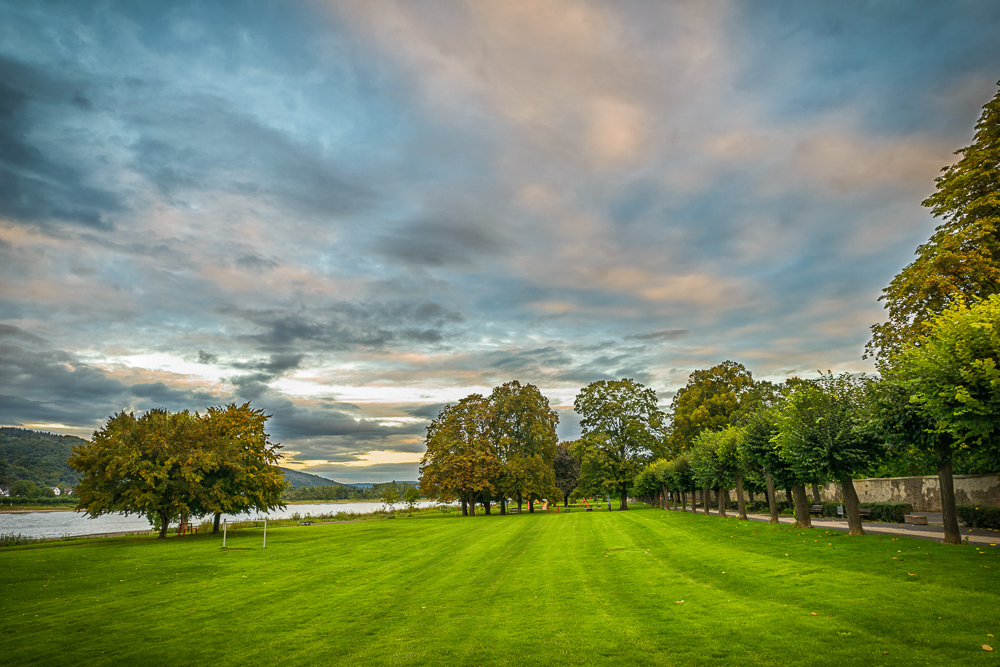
pixel 622 430
pixel 460 461
pixel 709 402
pixel 163 465
pixel 824 432
pixel 523 432
pixel 962 258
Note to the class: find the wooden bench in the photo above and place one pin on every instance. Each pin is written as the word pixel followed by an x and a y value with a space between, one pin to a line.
pixel 816 509
pixel 865 512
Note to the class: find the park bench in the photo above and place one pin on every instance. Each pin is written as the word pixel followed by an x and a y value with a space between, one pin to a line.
pixel 865 512
pixel 186 527
pixel 816 509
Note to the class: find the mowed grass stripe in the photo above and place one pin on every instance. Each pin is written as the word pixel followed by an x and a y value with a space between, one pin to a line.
pixel 579 588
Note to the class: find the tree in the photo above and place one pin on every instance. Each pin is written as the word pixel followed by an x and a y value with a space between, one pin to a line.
pixel 165 465
pixel 567 471
pixel 523 430
pixel 145 465
pixel 242 472
pixel 710 401
pixel 411 497
pixel 390 496
pixel 680 479
pixel 961 260
pixel 758 451
pixel 824 431
pixel 460 461
pixel 622 429
pixel 24 488
pixel 952 379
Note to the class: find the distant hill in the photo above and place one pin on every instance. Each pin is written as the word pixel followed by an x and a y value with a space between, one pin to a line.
pixel 300 479
pixel 37 456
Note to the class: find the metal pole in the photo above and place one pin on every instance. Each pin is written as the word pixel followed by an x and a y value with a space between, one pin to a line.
pixel 225 524
pixel 265 534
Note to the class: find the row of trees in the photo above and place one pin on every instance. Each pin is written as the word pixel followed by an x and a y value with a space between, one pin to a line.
pixel 938 357
pixel 165 465
pixel 343 491
pixel 762 437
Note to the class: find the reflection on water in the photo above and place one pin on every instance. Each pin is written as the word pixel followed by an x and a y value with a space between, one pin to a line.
pixel 67 523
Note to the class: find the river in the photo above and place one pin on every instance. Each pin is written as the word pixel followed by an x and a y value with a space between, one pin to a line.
pixel 67 523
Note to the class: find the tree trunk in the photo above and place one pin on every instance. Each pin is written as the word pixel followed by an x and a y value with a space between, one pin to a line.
pixel 519 503
pixel 750 493
pixel 772 498
pixel 801 506
pixel 164 524
pixel 486 507
pixel 949 516
pixel 531 506
pixel 215 523
pixel 706 501
pixel 788 497
pixel 465 507
pixel 723 496
pixel 565 500
pixel 503 507
pixel 741 504
pixel 624 505
pixel 672 499
pixel 851 506
pixel 815 490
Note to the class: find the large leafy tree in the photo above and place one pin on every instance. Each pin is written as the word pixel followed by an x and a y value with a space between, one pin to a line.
pixel 243 471
pixel 149 465
pixel 953 383
pixel 962 258
pixel 523 431
pixel 460 461
pixel 622 430
pixel 710 401
pixel 824 431
pixel 165 465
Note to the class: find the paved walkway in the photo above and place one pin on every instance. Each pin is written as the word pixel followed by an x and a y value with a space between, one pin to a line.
pixel 933 531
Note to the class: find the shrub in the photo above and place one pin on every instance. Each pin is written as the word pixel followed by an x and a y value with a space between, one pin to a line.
pixel 830 509
pixel 889 512
pixel 979 516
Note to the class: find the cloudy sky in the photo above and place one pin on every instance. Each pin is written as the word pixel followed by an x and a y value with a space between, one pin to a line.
pixel 351 213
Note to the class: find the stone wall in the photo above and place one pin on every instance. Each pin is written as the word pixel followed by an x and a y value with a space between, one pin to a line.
pixel 923 492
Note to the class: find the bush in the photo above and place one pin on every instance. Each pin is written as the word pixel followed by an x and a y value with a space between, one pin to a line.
pixel 13 540
pixel 889 512
pixel 979 516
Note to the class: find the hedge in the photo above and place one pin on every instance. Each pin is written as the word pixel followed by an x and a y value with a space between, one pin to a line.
pixel 889 512
pixel 979 516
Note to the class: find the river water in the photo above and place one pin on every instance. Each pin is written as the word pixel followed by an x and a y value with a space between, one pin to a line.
pixel 65 523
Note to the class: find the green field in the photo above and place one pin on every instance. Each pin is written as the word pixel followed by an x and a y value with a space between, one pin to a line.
pixel 643 587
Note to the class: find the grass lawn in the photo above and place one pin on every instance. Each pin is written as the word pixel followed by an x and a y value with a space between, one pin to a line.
pixel 642 587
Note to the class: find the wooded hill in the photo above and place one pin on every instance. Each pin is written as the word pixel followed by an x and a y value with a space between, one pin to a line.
pixel 37 456
pixel 41 457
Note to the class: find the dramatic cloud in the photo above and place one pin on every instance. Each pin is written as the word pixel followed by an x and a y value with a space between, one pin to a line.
pixel 352 214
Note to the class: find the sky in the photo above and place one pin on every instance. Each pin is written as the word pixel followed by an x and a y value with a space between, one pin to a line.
pixel 352 213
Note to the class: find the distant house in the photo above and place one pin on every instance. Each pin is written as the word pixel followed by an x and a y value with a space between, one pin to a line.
pixel 4 491
pixel 67 492
pixel 55 490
